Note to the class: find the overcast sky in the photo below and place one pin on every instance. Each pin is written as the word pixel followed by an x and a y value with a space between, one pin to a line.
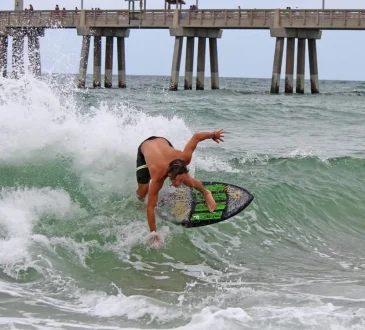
pixel 242 53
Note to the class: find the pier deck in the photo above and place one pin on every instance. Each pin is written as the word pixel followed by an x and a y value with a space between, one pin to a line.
pixel 328 19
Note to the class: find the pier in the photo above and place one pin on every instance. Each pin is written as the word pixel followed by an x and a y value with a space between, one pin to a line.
pixel 292 28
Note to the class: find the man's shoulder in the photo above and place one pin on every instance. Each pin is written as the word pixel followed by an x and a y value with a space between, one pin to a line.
pixel 157 172
pixel 185 157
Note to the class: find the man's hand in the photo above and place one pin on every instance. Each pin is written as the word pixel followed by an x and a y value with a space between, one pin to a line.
pixel 155 240
pixel 190 147
pixel 211 203
pixel 194 183
pixel 218 136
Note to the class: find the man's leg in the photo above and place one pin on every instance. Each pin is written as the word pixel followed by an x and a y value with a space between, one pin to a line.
pixel 142 191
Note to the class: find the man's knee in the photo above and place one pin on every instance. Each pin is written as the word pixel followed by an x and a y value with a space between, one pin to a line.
pixel 142 191
pixel 139 196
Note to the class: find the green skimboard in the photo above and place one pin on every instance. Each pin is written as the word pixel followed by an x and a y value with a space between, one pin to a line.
pixel 186 206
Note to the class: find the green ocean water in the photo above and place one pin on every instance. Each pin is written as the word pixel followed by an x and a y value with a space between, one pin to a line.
pixel 74 251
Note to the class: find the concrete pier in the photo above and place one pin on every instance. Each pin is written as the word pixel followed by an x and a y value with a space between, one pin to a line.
pixel 290 24
pixel 108 81
pixel 200 75
pixel 121 62
pixel 289 70
pixel 18 55
pixel 189 63
pixel 313 65
pixel 300 66
pixel 176 61
pixel 278 60
pixel 97 62
pixel 213 50
pixel 3 56
pixel 83 61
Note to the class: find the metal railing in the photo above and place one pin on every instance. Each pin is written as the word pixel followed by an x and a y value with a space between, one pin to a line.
pixel 209 18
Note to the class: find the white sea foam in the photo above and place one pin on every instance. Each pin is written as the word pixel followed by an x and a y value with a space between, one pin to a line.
pixel 214 164
pixel 40 123
pixel 20 209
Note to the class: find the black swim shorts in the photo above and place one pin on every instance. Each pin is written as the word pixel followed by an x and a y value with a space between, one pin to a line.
pixel 142 172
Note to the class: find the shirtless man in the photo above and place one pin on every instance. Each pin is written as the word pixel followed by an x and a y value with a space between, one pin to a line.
pixel 157 159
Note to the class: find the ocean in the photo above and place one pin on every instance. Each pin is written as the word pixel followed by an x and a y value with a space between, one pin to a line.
pixel 74 249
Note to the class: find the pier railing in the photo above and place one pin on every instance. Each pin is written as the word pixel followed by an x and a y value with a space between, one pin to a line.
pixel 209 18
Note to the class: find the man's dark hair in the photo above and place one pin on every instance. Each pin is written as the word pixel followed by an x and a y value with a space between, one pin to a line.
pixel 177 167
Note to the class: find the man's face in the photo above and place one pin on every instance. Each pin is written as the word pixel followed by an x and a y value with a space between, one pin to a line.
pixel 178 180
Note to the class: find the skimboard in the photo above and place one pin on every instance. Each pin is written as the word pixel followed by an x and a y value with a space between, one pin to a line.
pixel 186 206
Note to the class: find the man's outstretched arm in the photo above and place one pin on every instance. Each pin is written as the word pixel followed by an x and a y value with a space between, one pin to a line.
pixel 190 147
pixel 155 187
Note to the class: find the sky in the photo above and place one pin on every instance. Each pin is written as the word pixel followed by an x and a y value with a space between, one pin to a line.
pixel 242 53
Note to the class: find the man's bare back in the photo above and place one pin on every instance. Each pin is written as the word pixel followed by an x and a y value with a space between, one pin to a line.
pixel 158 155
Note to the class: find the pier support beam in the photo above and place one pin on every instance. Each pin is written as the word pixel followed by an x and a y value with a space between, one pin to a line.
pixel 276 71
pixel 108 81
pixel 18 56
pixel 34 55
pixel 213 50
pixel 313 66
pixel 189 63
pixel 176 61
pixel 109 33
pixel 291 35
pixel 83 61
pixel 300 66
pixel 3 55
pixel 200 75
pixel 34 51
pixel 290 48
pixel 97 62
pixel 121 63
pixel 202 34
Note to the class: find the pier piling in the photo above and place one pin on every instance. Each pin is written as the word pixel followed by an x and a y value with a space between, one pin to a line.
pixel 278 59
pixel 200 75
pixel 313 66
pixel 176 61
pixel 300 66
pixel 83 61
pixel 108 81
pixel 121 63
pixel 34 55
pixel 18 55
pixel 213 50
pixel 97 62
pixel 290 48
pixel 3 55
pixel 189 63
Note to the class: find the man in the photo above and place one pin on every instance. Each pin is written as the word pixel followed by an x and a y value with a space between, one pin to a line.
pixel 157 159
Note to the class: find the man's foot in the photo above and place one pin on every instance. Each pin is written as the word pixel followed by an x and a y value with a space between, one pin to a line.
pixel 210 201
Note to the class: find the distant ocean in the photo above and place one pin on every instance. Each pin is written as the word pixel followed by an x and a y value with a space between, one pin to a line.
pixel 73 238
